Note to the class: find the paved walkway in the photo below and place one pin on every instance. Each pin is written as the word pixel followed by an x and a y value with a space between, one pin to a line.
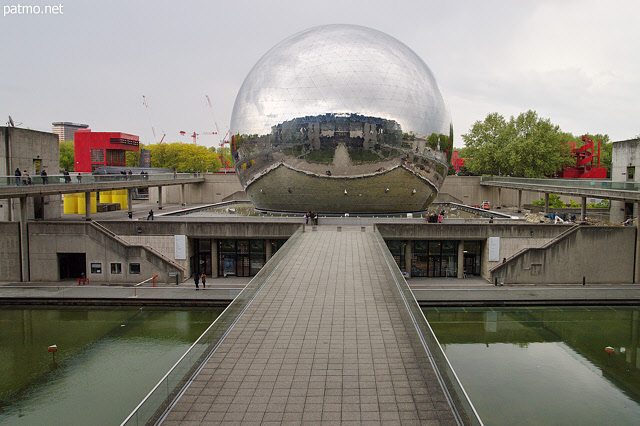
pixel 325 340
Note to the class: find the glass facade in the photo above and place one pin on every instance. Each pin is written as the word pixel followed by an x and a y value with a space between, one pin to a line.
pixel 436 258
pixel 244 257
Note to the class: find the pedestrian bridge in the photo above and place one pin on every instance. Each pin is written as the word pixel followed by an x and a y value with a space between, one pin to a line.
pixel 328 331
pixel 18 187
pixel 596 188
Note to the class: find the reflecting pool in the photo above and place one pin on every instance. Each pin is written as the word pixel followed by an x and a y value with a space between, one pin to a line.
pixel 107 359
pixel 545 365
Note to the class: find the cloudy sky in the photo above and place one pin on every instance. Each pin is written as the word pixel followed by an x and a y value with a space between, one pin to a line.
pixel 574 62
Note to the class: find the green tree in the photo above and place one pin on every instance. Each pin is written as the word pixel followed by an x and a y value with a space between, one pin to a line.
pixel 526 145
pixel 487 145
pixel 554 202
pixel 133 158
pixel 67 156
pixel 224 153
pixel 432 141
pixel 184 157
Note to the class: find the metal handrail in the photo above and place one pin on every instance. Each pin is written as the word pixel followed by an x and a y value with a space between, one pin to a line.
pixel 459 401
pixel 78 177
pixel 161 398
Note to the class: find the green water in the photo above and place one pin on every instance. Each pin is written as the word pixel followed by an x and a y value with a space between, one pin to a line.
pixel 545 365
pixel 108 359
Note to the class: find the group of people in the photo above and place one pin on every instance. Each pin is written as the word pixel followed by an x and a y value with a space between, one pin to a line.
pixel 435 217
pixel 25 179
pixel 311 216
pixel 198 278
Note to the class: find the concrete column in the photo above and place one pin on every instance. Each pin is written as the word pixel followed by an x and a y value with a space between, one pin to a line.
pixel 182 194
pixel 583 208
pixel 519 200
pixel 214 258
pixel 636 278
pixel 87 206
pixel 160 198
pixel 407 259
pixel 461 259
pixel 24 240
pixel 267 249
pixel 499 197
pixel 546 202
pixel 12 214
pixel 130 200
pixel 616 211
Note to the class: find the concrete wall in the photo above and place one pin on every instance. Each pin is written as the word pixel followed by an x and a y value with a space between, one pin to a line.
pixel 22 148
pixel 471 231
pixel 624 154
pixel 508 248
pixel 216 188
pixel 10 269
pixel 163 244
pixel 600 254
pixel 47 239
pixel 204 229
pixel 467 190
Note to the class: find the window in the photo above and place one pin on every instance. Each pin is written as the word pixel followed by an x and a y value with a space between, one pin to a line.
pixel 631 171
pixel 97 156
pixel 116 268
pixel 116 157
pixel 134 268
pixel 96 268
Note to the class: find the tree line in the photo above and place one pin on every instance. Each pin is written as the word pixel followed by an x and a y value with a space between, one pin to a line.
pixel 182 157
pixel 523 146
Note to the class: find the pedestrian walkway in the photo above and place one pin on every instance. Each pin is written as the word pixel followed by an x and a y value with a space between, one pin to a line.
pixel 327 339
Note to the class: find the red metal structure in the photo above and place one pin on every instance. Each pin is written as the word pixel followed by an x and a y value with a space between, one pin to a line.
pixel 457 162
pixel 97 149
pixel 585 167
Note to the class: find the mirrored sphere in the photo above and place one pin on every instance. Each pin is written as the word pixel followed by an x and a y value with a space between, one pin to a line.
pixel 341 119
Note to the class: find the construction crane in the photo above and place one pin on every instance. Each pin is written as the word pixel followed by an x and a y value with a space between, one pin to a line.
pixel 153 130
pixel 194 136
pixel 224 139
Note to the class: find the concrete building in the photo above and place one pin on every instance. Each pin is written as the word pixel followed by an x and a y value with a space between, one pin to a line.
pixel 625 162
pixel 66 130
pixel 29 151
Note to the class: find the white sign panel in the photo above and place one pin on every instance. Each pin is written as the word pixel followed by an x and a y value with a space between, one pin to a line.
pixel 180 247
pixel 494 249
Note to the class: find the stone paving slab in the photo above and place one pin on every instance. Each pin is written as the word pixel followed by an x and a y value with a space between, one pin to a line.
pixel 325 341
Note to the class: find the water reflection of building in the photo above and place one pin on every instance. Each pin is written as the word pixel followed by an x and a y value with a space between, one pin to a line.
pixel 586 331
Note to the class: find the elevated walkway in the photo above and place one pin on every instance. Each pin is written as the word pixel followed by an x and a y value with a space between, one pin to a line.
pixel 333 334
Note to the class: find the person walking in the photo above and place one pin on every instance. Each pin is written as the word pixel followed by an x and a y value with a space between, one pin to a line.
pixel 196 279
pixel 45 178
pixel 150 216
pixel 203 278
pixel 18 174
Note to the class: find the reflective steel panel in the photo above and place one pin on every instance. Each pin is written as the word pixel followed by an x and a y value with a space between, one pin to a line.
pixel 341 119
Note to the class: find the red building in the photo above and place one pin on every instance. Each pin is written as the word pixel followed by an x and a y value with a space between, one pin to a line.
pixel 97 149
